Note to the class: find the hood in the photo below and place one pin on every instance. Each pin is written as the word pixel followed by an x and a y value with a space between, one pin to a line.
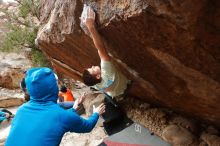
pixel 41 84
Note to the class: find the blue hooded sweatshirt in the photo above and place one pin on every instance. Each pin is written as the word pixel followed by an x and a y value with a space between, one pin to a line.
pixel 41 122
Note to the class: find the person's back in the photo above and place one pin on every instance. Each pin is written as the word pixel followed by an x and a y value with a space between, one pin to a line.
pixel 66 94
pixel 30 115
pixel 41 121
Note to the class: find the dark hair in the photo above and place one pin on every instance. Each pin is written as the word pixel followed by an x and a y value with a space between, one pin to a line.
pixel 63 89
pixel 89 79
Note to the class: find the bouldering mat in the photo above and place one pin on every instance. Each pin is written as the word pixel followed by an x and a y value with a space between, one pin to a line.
pixel 134 135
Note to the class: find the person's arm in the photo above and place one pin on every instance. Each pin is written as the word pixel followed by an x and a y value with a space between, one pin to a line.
pixel 99 44
pixel 79 101
pixel 80 125
pixel 84 125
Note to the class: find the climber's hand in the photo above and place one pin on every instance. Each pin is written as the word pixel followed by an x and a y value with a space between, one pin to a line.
pixel 90 18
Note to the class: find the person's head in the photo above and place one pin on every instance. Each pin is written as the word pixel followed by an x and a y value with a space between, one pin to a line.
pixel 24 73
pixel 41 84
pixel 63 89
pixel 92 75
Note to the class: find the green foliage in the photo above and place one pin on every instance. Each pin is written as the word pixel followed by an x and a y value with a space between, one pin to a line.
pixel 25 8
pixel 13 40
pixel 39 59
pixel 22 34
pixel 29 6
pixel 18 38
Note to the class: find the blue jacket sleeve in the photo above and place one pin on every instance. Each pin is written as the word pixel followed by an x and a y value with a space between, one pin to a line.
pixel 2 116
pixel 77 124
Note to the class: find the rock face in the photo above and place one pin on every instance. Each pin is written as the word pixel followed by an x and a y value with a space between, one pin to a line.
pixel 178 136
pixel 12 66
pixel 211 140
pixel 170 48
pixel 10 98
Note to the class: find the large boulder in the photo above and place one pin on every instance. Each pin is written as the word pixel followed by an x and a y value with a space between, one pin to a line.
pixel 170 48
pixel 211 140
pixel 11 98
pixel 12 67
pixel 178 136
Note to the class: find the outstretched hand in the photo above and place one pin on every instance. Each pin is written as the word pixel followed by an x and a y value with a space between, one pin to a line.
pixel 88 25
pixel 79 101
pixel 100 109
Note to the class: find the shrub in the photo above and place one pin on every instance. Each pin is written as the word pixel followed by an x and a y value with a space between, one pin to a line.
pixel 22 34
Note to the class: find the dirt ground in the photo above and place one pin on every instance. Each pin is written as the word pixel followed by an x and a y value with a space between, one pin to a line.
pixel 88 139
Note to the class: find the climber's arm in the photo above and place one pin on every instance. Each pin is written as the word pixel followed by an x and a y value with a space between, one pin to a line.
pixel 99 44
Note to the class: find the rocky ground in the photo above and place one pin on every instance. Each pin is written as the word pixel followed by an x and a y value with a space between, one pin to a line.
pixel 89 139
pixel 172 127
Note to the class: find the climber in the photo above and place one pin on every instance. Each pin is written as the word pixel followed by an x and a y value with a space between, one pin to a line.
pixel 107 79
pixel 42 120
pixel 23 87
